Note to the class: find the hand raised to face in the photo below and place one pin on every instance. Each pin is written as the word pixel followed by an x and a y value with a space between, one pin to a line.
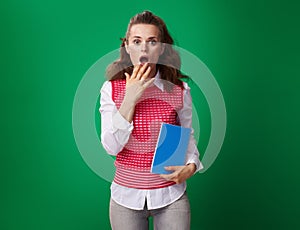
pixel 137 82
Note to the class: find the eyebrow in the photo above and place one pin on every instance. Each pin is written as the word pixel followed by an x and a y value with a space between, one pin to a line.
pixel 147 38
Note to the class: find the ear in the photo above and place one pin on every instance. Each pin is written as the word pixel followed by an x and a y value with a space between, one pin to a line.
pixel 162 48
pixel 126 47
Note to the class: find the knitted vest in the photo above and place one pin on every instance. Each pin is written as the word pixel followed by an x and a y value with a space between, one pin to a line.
pixel 133 163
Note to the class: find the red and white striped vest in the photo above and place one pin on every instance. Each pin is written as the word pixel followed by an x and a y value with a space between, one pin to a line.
pixel 133 163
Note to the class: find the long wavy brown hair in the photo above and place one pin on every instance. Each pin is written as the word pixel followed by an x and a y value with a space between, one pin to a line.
pixel 170 61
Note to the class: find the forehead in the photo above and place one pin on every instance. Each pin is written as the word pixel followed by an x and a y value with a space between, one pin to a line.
pixel 144 31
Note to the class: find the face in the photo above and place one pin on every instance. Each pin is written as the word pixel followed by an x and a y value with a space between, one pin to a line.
pixel 143 44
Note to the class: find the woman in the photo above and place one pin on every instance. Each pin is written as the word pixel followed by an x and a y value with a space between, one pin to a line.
pixel 144 90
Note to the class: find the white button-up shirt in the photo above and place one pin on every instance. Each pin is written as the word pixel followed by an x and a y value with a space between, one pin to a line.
pixel 115 132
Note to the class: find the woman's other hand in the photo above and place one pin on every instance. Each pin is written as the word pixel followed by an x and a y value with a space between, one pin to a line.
pixel 180 174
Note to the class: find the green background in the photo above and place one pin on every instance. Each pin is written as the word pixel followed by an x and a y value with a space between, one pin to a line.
pixel 251 47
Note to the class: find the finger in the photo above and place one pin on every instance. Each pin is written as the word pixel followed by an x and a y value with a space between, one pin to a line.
pixel 173 168
pixel 148 83
pixel 127 76
pixel 135 71
pixel 166 176
pixel 146 74
pixel 141 71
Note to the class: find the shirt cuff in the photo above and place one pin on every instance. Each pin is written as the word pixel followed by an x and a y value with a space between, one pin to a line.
pixel 120 123
pixel 198 164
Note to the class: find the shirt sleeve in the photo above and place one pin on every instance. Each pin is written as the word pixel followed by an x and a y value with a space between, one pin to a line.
pixel 115 129
pixel 185 118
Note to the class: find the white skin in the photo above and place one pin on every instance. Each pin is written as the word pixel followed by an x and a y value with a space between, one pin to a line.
pixel 143 40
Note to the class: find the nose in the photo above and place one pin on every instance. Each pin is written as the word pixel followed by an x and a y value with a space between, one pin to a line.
pixel 144 47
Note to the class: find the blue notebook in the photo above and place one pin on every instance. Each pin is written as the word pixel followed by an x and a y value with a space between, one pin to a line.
pixel 171 148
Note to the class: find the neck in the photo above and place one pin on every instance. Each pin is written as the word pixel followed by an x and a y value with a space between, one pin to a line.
pixel 153 71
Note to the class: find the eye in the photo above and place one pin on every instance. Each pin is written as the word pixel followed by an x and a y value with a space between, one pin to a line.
pixel 153 42
pixel 136 41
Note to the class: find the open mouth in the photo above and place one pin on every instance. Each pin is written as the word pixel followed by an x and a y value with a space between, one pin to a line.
pixel 143 60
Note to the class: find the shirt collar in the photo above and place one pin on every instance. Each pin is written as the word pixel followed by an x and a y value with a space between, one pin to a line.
pixel 158 82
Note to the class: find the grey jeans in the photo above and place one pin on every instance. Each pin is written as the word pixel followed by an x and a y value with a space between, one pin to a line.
pixel 175 216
